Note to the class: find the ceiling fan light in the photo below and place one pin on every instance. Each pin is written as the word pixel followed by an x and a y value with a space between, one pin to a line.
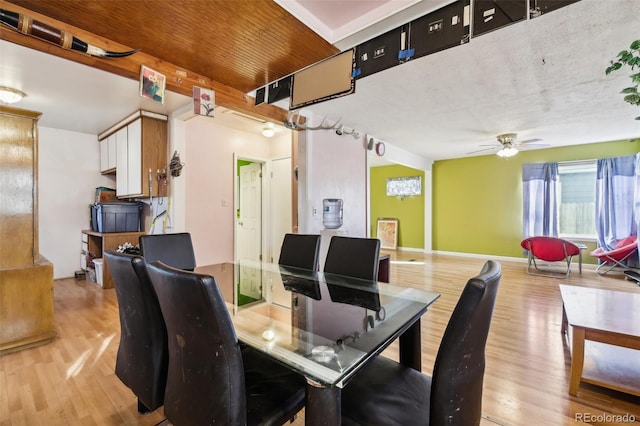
pixel 507 152
pixel 9 95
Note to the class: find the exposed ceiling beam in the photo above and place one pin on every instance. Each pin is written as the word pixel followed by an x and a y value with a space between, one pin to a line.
pixel 179 80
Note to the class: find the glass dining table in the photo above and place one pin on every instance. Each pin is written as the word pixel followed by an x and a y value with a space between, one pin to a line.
pixel 323 326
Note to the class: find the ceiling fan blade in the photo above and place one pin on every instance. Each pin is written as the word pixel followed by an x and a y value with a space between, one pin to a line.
pixel 528 141
pixel 532 146
pixel 481 150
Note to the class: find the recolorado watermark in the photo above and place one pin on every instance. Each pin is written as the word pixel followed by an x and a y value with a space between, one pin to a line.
pixel 604 418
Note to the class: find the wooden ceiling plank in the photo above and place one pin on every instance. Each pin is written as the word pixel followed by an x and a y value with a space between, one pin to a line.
pixel 179 80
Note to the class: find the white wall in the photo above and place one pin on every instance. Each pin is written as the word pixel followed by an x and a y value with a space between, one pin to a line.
pixel 209 175
pixel 332 166
pixel 69 172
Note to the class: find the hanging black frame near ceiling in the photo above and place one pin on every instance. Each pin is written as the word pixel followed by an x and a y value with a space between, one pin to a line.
pixel 441 29
pixel 382 52
pixel 490 15
pixel 540 7
pixel 449 26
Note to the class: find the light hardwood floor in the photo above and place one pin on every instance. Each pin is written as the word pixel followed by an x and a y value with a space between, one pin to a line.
pixel 71 381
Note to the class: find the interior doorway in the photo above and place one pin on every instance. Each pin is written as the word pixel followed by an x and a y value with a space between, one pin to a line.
pixel 263 204
pixel 249 222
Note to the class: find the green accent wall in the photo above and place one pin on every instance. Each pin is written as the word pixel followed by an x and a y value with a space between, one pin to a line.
pixel 477 201
pixel 409 211
pixel 239 164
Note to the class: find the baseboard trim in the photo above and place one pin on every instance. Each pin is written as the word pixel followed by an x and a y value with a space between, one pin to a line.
pixel 507 258
pixel 412 249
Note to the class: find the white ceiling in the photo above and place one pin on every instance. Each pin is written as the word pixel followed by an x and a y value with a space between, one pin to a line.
pixel 541 78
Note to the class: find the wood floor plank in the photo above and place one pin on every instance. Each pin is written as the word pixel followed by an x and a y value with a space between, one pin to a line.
pixel 71 380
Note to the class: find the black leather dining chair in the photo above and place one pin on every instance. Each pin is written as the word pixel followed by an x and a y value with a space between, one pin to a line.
pixel 142 359
pixel 353 257
pixel 212 379
pixel 172 249
pixel 387 393
pixel 300 251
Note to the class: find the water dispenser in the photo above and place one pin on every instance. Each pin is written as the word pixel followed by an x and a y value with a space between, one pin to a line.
pixel 332 213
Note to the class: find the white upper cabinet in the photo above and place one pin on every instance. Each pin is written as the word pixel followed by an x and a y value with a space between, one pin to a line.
pixel 108 154
pixel 140 151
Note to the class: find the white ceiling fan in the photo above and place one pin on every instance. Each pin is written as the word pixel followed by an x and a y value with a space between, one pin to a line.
pixel 508 147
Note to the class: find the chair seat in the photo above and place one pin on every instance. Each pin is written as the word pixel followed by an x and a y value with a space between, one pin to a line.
pixel 143 354
pixel 212 378
pixel 622 251
pixel 273 392
pixel 549 249
pixel 367 400
pixel 388 393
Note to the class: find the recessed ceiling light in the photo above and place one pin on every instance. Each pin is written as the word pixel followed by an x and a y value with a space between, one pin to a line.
pixel 9 95
pixel 268 131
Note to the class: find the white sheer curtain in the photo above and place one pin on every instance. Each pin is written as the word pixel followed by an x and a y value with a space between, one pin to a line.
pixel 540 208
pixel 636 201
pixel 617 200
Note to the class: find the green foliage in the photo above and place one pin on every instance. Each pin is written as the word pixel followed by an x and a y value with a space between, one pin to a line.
pixel 630 58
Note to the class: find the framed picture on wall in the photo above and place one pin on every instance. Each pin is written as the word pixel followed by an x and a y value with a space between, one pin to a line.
pixel 388 233
pixel 204 101
pixel 152 84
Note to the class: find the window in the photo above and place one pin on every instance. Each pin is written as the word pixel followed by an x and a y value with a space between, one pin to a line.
pixel 404 186
pixel 577 198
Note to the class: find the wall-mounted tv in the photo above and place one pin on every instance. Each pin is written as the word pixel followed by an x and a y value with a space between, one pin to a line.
pixel 324 80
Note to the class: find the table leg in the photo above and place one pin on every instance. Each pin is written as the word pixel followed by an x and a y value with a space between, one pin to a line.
pixel 411 347
pixel 323 405
pixel 580 262
pixel 577 360
pixel 565 321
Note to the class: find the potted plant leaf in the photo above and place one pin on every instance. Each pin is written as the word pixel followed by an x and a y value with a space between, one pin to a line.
pixel 630 58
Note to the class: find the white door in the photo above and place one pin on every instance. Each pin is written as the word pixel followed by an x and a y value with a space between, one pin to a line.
pixel 249 229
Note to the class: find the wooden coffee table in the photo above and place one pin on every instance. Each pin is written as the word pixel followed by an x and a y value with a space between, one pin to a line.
pixel 606 337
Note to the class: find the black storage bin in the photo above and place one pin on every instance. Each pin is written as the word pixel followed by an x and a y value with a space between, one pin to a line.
pixel 116 217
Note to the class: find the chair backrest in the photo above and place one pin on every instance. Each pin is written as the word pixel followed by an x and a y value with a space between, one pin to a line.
pixel 300 251
pixel 458 373
pixel 142 358
pixel 353 257
pixel 551 249
pixel 171 249
pixel 205 382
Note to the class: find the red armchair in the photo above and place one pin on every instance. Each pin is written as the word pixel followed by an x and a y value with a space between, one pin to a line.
pixel 622 251
pixel 549 249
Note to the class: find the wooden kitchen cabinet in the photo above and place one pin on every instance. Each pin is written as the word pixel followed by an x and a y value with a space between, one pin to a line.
pixel 26 278
pixel 141 153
